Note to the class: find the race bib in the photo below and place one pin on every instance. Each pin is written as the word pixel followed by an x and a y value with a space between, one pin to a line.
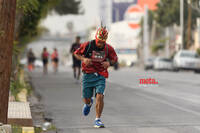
pixel 98 56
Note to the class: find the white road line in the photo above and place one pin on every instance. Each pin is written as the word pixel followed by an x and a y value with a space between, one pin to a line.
pixel 197 127
pixel 102 130
pixel 154 130
pixel 170 104
pixel 183 96
pixel 163 101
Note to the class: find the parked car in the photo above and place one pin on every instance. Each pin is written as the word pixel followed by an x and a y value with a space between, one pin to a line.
pixel 149 63
pixel 188 60
pixel 163 64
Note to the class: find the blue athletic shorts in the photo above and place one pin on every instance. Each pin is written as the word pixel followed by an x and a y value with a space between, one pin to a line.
pixel 92 83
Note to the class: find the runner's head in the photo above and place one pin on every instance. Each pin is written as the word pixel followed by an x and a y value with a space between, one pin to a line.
pixel 45 49
pixel 78 38
pixel 30 50
pixel 101 36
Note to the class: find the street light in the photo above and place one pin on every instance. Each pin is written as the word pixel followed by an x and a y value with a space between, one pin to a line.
pixel 117 14
pixel 182 21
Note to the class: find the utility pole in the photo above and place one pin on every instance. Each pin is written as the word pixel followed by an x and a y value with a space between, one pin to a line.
pixel 146 34
pixel 198 26
pixel 7 23
pixel 103 11
pixel 167 33
pixel 153 32
pixel 189 24
pixel 182 22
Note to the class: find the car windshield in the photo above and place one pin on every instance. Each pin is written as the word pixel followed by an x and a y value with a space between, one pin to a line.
pixel 190 55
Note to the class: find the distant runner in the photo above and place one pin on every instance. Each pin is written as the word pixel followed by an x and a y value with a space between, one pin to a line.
pixel 96 57
pixel 31 59
pixel 45 58
pixel 55 60
pixel 76 63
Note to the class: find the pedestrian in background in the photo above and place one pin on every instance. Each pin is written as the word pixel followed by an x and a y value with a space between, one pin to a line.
pixel 96 57
pixel 31 59
pixel 45 57
pixel 55 60
pixel 76 62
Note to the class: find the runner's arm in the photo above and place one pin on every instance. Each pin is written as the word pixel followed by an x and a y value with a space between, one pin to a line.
pixel 79 57
pixel 112 58
pixel 87 61
pixel 79 54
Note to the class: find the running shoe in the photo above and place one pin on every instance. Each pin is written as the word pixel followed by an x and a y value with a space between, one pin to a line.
pixel 86 108
pixel 98 124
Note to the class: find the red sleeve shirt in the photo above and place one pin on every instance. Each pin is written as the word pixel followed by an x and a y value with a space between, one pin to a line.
pixel 97 58
pixel 81 49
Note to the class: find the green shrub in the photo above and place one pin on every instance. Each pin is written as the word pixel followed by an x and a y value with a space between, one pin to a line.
pixel 198 51
pixel 156 47
pixel 38 130
pixel 16 129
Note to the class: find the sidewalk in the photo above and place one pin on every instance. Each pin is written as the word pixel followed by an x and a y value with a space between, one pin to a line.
pixel 19 113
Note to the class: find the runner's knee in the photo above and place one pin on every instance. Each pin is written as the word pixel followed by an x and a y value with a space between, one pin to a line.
pixel 99 96
pixel 87 100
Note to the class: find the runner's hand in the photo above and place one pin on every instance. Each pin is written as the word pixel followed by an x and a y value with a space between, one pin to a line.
pixel 105 64
pixel 87 61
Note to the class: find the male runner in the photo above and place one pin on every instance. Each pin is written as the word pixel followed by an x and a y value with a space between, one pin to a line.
pixel 76 62
pixel 31 59
pixel 96 57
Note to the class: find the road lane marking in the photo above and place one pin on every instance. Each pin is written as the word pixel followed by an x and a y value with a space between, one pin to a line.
pixel 183 96
pixel 197 127
pixel 99 130
pixel 170 104
pixel 154 130
pixel 162 101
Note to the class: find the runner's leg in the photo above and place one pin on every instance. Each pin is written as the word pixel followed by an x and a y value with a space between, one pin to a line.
pixel 46 69
pixel 79 72
pixel 87 100
pixel 99 104
pixel 74 68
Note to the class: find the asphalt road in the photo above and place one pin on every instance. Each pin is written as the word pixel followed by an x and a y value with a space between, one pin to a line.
pixel 172 106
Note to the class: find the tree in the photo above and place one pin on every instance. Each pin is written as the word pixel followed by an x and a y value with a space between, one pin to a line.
pixel 30 12
pixel 168 14
pixel 66 6
pixel 7 22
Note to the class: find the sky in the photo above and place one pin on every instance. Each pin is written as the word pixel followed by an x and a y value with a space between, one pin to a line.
pixel 58 24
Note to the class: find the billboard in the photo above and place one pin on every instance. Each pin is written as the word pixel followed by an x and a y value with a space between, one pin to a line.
pixel 119 8
pixel 125 29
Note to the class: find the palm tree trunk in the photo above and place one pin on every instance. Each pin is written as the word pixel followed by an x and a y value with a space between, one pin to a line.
pixel 7 22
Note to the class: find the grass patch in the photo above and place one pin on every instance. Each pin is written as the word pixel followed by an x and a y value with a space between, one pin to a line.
pixel 38 130
pixel 198 51
pixel 52 128
pixel 16 129
pixel 15 88
pixel 19 83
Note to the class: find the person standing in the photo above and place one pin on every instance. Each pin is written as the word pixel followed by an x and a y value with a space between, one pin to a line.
pixel 76 62
pixel 55 60
pixel 96 56
pixel 31 59
pixel 45 57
